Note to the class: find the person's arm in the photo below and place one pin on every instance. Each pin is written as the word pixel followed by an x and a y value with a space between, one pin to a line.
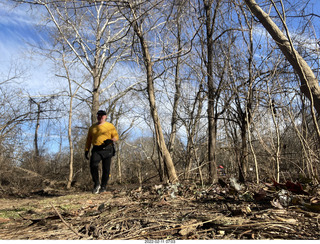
pixel 114 134
pixel 88 142
pixel 88 145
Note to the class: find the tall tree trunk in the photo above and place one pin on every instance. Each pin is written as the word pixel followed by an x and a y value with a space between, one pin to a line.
pixel 95 98
pixel 213 176
pixel 70 178
pixel 243 170
pixel 190 155
pixel 176 97
pixel 246 115
pixel 309 83
pixel 36 147
pixel 163 150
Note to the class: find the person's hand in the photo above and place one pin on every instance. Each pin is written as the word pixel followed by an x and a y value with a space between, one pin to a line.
pixel 86 154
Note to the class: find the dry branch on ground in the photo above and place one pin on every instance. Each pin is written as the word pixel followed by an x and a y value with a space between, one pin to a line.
pixel 165 212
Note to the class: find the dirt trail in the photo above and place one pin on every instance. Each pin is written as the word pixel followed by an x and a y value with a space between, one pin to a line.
pixel 156 212
pixel 35 218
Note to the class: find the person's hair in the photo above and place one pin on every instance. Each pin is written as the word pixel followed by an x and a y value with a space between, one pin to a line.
pixel 102 112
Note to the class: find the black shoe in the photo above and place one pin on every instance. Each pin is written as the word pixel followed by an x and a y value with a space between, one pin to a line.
pixel 96 190
pixel 103 189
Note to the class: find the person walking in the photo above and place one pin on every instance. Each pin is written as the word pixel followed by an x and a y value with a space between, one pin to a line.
pixel 101 136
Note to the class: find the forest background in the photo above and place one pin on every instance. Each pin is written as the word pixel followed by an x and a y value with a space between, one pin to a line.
pixel 190 85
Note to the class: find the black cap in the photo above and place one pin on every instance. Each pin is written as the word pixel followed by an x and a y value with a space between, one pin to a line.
pixel 102 112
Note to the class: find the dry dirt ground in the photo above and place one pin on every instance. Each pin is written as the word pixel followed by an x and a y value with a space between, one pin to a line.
pixel 162 212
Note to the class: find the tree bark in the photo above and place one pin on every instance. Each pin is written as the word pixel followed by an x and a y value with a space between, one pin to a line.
pixel 174 117
pixel 309 83
pixel 94 51
pixel 163 150
pixel 95 99
pixel 70 178
pixel 36 147
pixel 213 176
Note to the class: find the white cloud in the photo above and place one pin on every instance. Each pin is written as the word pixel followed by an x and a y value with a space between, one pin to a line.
pixel 18 30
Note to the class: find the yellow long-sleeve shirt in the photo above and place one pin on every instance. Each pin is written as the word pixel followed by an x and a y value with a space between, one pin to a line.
pixel 97 134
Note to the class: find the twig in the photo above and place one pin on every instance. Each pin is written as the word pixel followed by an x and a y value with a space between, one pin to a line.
pixel 243 233
pixel 69 226
pixel 177 228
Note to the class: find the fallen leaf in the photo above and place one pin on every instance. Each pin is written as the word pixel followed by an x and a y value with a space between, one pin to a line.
pixel 314 200
pixel 276 204
pixel 221 233
pixel 296 188
pixel 278 185
pixel 290 221
pixel 189 227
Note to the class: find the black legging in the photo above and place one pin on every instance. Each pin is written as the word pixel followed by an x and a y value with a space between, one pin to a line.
pixel 96 157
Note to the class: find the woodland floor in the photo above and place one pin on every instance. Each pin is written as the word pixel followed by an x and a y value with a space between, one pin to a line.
pixel 163 212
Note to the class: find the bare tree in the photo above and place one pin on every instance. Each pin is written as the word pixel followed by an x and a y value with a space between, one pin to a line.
pixel 216 67
pixel 175 27
pixel 242 76
pixel 72 93
pixel 39 109
pixel 90 30
pixel 12 111
pixel 193 109
pixel 212 127
pixel 136 18
pixel 309 82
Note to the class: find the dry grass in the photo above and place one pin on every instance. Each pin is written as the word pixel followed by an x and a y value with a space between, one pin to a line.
pixel 157 213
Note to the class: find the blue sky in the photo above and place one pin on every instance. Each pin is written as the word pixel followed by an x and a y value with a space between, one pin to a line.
pixel 17 28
